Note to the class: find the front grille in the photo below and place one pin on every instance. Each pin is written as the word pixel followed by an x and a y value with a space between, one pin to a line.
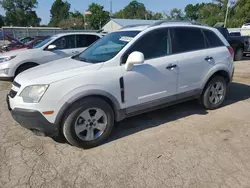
pixel 12 93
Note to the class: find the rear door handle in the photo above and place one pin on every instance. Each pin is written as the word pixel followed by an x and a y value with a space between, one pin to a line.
pixel 209 58
pixel 75 52
pixel 171 66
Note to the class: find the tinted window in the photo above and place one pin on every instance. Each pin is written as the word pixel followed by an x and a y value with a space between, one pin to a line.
pixel 85 40
pixel 66 42
pixel 152 45
pixel 187 39
pixel 213 39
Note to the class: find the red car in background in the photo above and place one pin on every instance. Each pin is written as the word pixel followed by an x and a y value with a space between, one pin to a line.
pixel 26 42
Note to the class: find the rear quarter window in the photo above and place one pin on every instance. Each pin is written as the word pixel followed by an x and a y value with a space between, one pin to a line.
pixel 213 40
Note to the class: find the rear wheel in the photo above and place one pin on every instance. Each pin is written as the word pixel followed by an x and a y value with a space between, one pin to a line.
pixel 25 67
pixel 88 123
pixel 214 93
pixel 238 54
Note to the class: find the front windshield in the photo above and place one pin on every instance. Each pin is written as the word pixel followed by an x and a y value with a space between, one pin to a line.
pixel 39 45
pixel 107 47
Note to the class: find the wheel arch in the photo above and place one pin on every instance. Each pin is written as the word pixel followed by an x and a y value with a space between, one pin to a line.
pixel 24 64
pixel 222 72
pixel 109 98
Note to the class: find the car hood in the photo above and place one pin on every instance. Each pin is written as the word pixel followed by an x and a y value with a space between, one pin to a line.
pixel 55 71
pixel 17 52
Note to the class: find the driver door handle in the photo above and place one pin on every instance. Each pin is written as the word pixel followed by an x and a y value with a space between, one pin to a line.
pixel 209 58
pixel 171 66
pixel 75 52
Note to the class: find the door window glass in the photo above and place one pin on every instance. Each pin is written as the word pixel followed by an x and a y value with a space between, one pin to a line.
pixel 187 39
pixel 213 39
pixel 66 42
pixel 153 45
pixel 85 40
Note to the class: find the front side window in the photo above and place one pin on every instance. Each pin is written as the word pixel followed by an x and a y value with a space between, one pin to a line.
pixel 187 39
pixel 213 39
pixel 107 47
pixel 65 42
pixel 85 40
pixel 153 44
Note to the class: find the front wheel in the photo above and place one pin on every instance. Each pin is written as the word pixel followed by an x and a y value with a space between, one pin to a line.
pixel 88 123
pixel 215 93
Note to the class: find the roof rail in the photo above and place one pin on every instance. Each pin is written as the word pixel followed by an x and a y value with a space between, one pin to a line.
pixel 188 22
pixel 135 25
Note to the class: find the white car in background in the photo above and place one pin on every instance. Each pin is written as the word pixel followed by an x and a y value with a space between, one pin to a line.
pixel 56 47
pixel 246 26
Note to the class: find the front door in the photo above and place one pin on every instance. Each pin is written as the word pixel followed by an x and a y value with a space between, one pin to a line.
pixel 65 47
pixel 155 81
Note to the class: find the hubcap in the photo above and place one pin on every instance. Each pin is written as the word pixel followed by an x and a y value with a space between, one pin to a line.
pixel 216 93
pixel 91 124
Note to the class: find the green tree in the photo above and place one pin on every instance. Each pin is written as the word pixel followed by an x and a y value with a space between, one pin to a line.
pixel 20 12
pixel 59 11
pixel 76 14
pixel 192 11
pixel 72 23
pixel 98 17
pixel 1 21
pixel 157 16
pixel 175 14
pixel 134 10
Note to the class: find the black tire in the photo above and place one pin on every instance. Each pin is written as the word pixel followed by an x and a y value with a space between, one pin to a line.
pixel 238 54
pixel 25 67
pixel 68 126
pixel 205 98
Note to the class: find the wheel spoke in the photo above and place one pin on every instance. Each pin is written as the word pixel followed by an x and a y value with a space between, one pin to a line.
pixel 86 115
pixel 221 92
pixel 213 89
pixel 98 114
pixel 90 134
pixel 217 99
pixel 80 128
pixel 101 126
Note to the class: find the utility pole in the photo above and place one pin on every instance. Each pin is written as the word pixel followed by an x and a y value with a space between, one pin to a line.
pixel 225 22
pixel 111 9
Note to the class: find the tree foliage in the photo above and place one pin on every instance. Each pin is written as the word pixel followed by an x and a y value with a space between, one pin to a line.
pixel 98 17
pixel 59 11
pixel 20 12
pixel 137 10
pixel 2 20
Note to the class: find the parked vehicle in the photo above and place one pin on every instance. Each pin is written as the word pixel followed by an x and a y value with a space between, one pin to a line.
pixel 30 43
pixel 240 44
pixel 56 47
pixel 128 72
pixel 246 26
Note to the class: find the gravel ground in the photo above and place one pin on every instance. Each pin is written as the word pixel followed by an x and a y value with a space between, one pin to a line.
pixel 179 146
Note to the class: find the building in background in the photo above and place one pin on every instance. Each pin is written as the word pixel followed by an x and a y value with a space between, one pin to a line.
pixel 116 24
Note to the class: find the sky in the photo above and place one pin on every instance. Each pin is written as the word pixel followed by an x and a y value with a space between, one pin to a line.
pixel 44 6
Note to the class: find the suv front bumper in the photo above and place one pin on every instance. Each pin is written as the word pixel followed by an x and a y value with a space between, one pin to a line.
pixel 34 121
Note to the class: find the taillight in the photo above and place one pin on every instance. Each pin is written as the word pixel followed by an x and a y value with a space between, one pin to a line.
pixel 231 50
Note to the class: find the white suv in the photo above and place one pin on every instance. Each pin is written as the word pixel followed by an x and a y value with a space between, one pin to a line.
pixel 128 72
pixel 56 47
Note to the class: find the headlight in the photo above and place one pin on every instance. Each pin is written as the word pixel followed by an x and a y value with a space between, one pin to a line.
pixel 3 59
pixel 33 94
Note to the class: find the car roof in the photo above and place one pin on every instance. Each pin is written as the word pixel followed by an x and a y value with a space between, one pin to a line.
pixel 163 23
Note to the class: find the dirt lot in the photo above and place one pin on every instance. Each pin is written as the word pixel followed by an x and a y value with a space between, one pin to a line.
pixel 180 146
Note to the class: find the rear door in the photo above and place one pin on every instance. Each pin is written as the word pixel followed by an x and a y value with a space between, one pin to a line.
pixel 65 46
pixel 216 51
pixel 83 41
pixel 189 49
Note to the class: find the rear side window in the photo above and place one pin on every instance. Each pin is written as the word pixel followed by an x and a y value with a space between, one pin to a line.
pixel 213 39
pixel 85 40
pixel 187 39
pixel 153 45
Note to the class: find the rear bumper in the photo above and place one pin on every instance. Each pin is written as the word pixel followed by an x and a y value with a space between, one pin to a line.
pixel 34 121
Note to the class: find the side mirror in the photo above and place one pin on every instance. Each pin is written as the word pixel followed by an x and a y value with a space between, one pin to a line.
pixel 51 47
pixel 135 58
